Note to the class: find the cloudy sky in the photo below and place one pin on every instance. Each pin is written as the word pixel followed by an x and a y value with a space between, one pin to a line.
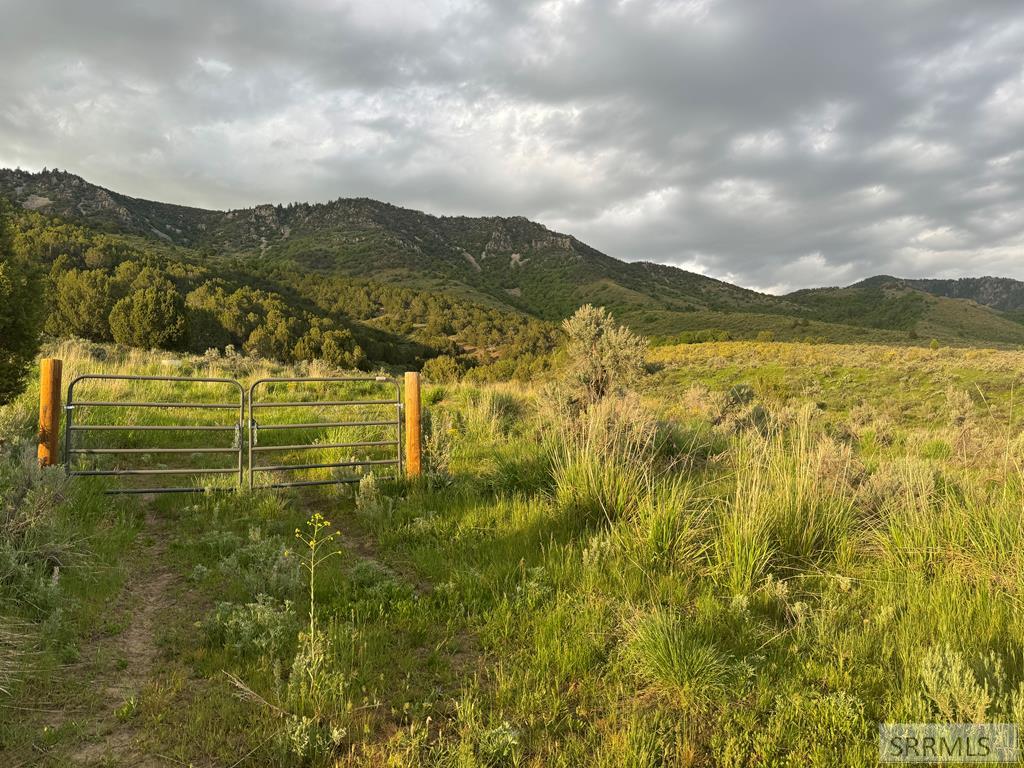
pixel 774 144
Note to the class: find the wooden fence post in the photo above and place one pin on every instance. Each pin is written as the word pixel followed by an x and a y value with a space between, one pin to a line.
pixel 49 412
pixel 413 467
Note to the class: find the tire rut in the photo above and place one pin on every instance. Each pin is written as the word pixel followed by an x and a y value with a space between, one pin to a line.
pixel 147 595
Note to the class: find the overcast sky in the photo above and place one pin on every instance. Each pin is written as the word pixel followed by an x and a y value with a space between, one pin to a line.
pixel 773 144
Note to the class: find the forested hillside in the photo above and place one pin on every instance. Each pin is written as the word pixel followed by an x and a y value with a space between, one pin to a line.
pixel 357 281
pixel 112 287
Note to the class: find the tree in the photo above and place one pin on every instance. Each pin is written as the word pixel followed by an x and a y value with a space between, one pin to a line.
pixel 336 347
pixel 20 316
pixel 339 349
pixel 205 331
pixel 604 357
pixel 152 316
pixel 443 369
pixel 82 303
pixel 275 339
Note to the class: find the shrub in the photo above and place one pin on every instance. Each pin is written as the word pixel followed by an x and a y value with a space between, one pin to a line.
pixel 956 691
pixel 443 369
pixel 499 745
pixel 371 501
pixel 702 337
pixel 263 565
pixel 604 357
pixel 442 429
pixel 262 629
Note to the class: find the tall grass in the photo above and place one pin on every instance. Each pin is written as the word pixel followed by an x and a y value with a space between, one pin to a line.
pixel 602 460
pixel 791 506
pixel 61 550
pixel 598 587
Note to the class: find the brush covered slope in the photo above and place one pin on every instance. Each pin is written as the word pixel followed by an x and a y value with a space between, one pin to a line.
pixel 147 293
pixel 1002 293
pixel 512 264
pixel 510 260
pixel 900 305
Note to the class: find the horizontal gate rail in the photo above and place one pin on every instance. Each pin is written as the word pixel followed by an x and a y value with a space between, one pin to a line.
pixel 71 429
pixel 116 451
pixel 115 403
pixel 320 403
pixel 175 471
pixel 309 446
pixel 155 427
pixel 372 421
pixel 289 467
pixel 323 424
pixel 184 489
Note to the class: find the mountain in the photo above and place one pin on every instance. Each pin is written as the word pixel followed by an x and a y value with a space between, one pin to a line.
pixel 1002 293
pixel 510 260
pixel 514 264
pixel 895 304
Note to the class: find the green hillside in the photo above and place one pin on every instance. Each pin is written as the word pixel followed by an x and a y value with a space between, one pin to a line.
pixel 885 303
pixel 144 293
pixel 1002 293
pixel 502 267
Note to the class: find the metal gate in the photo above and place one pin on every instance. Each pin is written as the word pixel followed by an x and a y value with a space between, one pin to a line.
pixel 362 431
pixel 369 430
pixel 76 430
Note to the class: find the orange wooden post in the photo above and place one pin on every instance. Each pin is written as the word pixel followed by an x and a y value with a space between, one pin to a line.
pixel 49 411
pixel 413 467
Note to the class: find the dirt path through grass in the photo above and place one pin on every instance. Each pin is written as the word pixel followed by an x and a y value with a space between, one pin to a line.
pixel 146 691
pixel 146 600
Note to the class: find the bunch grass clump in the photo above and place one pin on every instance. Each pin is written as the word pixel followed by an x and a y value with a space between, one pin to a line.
pixel 603 460
pixel 674 660
pixel 791 504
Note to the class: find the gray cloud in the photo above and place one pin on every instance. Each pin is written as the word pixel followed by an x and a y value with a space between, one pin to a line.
pixel 775 145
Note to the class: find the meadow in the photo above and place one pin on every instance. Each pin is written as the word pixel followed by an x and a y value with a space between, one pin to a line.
pixel 750 557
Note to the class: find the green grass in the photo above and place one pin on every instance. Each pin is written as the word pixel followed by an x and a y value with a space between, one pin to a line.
pixel 756 559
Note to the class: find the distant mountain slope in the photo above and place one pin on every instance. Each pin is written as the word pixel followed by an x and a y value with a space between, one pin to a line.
pixel 1002 293
pixel 515 263
pixel 889 303
pixel 508 259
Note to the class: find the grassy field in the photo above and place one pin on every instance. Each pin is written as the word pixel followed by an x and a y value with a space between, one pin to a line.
pixel 752 560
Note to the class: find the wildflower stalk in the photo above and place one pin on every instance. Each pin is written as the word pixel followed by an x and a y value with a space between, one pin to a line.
pixel 315 541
